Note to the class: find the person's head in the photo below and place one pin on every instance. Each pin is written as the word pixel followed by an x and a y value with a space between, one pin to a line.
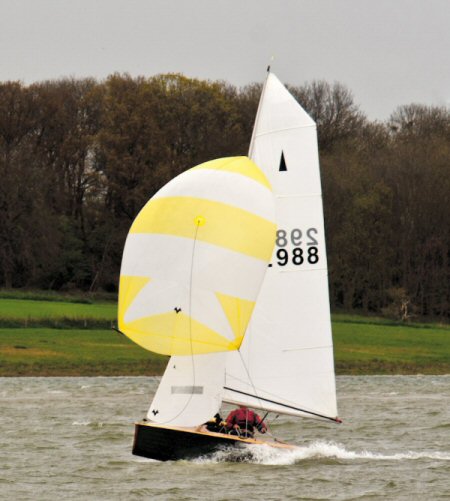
pixel 242 407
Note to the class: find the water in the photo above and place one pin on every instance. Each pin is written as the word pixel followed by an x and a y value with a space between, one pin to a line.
pixel 70 438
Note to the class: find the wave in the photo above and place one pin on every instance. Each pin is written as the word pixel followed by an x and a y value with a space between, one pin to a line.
pixel 96 424
pixel 317 450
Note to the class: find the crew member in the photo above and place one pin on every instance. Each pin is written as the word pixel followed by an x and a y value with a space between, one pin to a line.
pixel 243 421
pixel 216 424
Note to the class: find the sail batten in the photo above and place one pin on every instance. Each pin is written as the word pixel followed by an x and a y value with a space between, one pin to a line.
pixel 276 131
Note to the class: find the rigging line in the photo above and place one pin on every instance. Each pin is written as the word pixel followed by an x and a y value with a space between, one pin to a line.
pixel 272 435
pixel 251 382
pixel 119 331
pixel 190 327
pixel 275 439
pixel 335 419
pixel 191 279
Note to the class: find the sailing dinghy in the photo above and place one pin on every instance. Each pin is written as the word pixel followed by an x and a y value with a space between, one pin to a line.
pixel 231 282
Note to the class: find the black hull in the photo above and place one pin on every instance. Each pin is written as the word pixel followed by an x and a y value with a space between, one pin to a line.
pixel 168 444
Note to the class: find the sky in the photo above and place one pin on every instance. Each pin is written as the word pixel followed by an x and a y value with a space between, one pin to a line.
pixel 387 52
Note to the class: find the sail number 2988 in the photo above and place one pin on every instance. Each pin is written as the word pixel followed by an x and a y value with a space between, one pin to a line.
pixel 296 246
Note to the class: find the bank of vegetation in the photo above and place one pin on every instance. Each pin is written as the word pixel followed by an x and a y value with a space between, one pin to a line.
pixel 67 338
pixel 79 158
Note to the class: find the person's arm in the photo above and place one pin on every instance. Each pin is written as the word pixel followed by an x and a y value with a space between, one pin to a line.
pixel 260 424
pixel 230 420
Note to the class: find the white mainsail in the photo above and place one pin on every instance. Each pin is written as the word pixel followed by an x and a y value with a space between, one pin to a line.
pixel 285 363
pixel 192 267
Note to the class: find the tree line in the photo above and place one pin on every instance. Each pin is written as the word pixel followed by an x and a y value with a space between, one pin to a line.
pixel 79 158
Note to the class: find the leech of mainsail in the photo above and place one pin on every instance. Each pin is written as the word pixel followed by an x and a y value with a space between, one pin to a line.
pixel 287 349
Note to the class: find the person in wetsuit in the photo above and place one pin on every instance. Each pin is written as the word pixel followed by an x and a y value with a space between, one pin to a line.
pixel 243 421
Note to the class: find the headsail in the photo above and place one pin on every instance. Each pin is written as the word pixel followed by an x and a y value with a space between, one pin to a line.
pixel 286 363
pixel 192 267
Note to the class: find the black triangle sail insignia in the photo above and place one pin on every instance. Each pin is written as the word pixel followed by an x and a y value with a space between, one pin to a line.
pixel 282 167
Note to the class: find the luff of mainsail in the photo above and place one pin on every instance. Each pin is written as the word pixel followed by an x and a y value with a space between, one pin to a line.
pixel 193 264
pixel 285 363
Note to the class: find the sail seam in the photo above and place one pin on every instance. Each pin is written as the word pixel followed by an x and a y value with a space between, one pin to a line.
pixel 308 348
pixel 283 130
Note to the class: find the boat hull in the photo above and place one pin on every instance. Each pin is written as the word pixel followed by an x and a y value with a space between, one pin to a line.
pixel 165 443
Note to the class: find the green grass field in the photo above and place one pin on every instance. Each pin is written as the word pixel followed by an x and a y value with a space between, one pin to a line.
pixel 363 345
pixel 377 348
pixel 38 309
pixel 72 352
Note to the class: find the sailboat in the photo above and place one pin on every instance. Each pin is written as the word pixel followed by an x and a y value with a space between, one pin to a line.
pixel 225 270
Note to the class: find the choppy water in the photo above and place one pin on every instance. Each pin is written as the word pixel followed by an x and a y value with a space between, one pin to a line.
pixel 70 438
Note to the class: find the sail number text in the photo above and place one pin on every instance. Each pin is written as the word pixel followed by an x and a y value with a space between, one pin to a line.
pixel 297 247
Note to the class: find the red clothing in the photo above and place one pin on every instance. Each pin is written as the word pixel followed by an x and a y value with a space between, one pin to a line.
pixel 246 419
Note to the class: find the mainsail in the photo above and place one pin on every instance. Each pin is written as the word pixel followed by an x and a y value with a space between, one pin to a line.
pixel 285 363
pixel 193 264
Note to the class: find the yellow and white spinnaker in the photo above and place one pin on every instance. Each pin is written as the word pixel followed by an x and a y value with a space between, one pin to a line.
pixel 195 259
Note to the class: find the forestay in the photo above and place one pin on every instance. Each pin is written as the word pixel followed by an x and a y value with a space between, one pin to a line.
pixel 286 363
pixel 193 264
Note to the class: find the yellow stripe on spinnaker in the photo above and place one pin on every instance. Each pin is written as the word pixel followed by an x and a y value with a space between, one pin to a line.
pixel 129 288
pixel 222 224
pixel 238 312
pixel 238 165
pixel 170 334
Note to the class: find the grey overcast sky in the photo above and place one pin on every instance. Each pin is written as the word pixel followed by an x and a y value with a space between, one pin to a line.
pixel 388 52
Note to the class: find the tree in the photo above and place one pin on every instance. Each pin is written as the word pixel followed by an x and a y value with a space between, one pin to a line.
pixel 79 158
pixel 26 224
pixel 333 109
pixel 419 176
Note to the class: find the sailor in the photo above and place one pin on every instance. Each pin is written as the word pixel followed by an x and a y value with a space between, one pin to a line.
pixel 243 421
pixel 216 424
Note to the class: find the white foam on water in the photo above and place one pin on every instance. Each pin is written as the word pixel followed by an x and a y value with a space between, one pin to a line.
pixel 139 459
pixel 265 454
pixel 95 424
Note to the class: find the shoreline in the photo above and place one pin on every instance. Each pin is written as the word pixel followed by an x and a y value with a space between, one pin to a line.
pixel 41 338
pixel 135 372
